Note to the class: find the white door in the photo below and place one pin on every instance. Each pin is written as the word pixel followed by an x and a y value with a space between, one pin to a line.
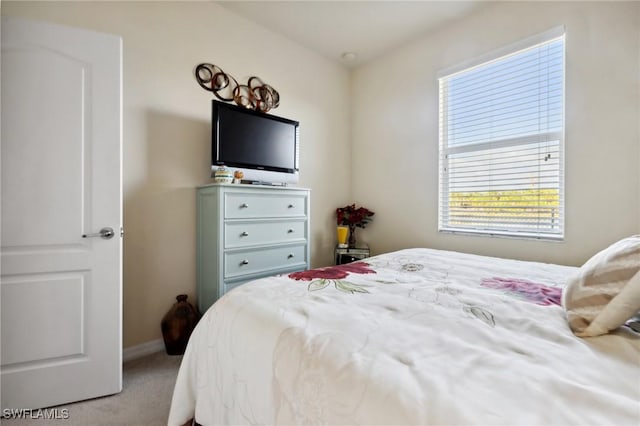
pixel 61 178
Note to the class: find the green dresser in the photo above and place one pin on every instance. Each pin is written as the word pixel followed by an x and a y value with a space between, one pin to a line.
pixel 246 232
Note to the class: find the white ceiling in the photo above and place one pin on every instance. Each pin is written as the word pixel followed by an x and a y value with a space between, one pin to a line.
pixel 367 28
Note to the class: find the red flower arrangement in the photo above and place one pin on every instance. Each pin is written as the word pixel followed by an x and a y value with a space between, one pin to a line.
pixel 353 217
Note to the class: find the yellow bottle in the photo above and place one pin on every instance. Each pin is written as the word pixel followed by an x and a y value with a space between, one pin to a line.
pixel 342 232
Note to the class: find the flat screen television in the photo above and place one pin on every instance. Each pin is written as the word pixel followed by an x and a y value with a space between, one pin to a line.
pixel 263 146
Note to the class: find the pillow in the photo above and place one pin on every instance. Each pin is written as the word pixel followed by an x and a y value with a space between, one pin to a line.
pixel 605 291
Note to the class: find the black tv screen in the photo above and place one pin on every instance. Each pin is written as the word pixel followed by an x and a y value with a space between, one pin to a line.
pixel 246 139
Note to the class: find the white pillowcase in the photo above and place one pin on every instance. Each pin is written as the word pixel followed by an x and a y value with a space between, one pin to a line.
pixel 605 292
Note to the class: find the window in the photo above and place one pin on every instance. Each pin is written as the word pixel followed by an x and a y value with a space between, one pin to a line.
pixel 502 143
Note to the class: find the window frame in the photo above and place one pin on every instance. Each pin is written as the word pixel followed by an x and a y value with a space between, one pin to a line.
pixel 444 151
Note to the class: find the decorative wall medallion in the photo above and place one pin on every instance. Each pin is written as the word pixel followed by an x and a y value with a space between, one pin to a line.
pixel 255 94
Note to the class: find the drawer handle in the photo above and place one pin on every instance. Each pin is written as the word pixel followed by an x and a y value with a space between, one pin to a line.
pixel 291 206
pixel 244 262
pixel 291 256
pixel 244 206
pixel 244 234
pixel 289 231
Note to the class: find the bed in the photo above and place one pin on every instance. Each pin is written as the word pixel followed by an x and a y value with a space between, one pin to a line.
pixel 417 336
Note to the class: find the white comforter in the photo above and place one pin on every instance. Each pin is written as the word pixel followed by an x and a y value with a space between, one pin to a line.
pixel 413 337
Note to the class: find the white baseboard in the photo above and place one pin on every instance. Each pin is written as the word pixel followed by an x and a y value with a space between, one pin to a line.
pixel 143 349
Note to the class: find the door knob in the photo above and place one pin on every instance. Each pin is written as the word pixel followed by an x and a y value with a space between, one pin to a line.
pixel 105 233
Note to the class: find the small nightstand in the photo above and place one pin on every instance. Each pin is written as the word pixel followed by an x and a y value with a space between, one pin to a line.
pixel 352 254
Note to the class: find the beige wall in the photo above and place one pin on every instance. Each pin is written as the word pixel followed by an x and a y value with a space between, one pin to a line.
pixel 395 128
pixel 394 135
pixel 166 131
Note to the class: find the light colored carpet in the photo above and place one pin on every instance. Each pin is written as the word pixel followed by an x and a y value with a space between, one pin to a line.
pixel 145 398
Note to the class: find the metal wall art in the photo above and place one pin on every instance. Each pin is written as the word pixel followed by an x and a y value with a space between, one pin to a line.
pixel 255 94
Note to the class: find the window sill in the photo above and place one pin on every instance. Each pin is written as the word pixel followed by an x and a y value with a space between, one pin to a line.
pixel 556 238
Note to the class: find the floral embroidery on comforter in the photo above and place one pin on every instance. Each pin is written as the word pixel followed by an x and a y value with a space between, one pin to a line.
pixel 335 275
pixel 539 294
pixel 417 336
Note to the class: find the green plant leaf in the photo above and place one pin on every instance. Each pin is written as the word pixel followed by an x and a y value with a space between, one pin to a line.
pixel 348 287
pixel 481 314
pixel 318 284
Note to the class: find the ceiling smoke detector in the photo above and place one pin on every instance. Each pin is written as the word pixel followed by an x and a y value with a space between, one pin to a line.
pixel 349 56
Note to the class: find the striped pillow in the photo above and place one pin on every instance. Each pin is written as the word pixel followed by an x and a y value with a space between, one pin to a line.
pixel 605 292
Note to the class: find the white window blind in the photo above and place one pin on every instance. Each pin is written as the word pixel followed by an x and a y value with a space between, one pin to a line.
pixel 501 145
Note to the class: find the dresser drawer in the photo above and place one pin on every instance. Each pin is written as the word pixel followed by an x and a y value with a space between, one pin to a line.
pixel 232 283
pixel 247 205
pixel 263 259
pixel 242 234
